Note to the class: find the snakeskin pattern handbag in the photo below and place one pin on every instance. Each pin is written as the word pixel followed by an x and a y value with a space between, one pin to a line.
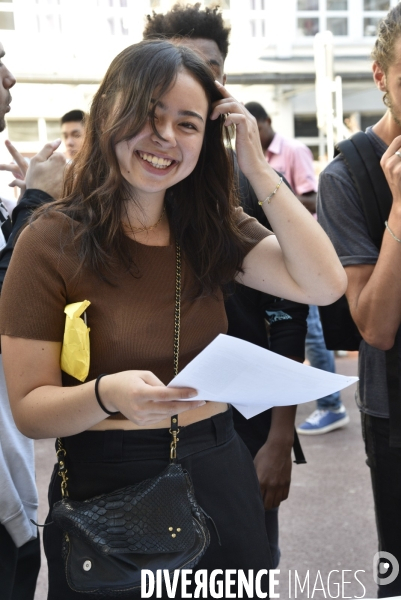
pixel 154 524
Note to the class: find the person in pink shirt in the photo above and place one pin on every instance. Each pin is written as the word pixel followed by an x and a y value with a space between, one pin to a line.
pixel 289 157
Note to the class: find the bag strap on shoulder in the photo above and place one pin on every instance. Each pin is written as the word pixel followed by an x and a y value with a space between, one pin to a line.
pixel 370 182
pixel 376 199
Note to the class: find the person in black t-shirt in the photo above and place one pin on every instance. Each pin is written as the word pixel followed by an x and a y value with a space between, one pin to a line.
pixel 270 435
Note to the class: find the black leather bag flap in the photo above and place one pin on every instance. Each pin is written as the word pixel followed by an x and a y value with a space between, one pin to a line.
pixel 153 516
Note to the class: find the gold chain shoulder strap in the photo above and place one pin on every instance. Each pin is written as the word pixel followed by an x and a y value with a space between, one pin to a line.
pixel 174 430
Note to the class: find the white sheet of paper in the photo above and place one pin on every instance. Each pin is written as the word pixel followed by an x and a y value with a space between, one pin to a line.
pixel 254 379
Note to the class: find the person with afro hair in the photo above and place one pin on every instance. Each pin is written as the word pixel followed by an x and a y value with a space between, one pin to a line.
pixel 270 435
pixel 206 26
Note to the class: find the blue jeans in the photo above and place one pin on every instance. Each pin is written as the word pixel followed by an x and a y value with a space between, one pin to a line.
pixel 319 357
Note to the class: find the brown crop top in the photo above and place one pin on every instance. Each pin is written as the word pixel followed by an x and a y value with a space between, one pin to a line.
pixel 131 324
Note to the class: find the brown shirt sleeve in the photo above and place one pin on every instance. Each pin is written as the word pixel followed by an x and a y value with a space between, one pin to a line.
pixel 254 231
pixel 42 268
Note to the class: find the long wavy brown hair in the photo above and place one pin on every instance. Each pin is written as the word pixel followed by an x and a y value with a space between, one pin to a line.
pixel 200 208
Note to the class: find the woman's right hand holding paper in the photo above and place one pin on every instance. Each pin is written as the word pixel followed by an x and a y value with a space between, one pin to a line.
pixel 143 398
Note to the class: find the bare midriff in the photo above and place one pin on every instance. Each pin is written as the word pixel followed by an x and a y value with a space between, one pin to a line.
pixel 185 418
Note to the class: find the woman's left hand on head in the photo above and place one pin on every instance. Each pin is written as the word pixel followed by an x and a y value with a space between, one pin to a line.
pixel 247 144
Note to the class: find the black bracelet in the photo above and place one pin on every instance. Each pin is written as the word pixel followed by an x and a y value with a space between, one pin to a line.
pixel 102 406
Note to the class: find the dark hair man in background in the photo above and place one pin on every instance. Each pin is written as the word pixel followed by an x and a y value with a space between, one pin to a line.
pixel 73 131
pixel 269 436
pixel 290 157
pixel 374 294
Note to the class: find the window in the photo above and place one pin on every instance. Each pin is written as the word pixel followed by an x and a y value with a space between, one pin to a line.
pixel 318 15
pixel 53 129
pixel 376 5
pixel 48 17
pixel 258 28
pixel 253 28
pixel 33 130
pixel 305 126
pixel 330 4
pixel 308 4
pixel 117 26
pixel 7 20
pixel 337 26
pixel 370 25
pixel 308 22
pixel 113 16
pixel 23 131
pixel 7 16
pixel 337 5
pixel 374 11
pixel 257 4
pixel 343 18
pixel 308 26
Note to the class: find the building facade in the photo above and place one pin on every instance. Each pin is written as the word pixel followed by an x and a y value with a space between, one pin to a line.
pixel 60 49
pixel 282 77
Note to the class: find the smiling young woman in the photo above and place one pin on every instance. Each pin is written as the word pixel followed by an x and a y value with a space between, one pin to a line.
pixel 152 181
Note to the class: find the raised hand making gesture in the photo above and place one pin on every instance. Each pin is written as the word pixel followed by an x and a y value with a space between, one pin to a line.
pixel 44 172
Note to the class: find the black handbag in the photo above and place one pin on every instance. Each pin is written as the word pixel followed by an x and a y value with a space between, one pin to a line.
pixel 154 524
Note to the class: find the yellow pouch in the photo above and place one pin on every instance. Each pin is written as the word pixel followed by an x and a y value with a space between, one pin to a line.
pixel 75 353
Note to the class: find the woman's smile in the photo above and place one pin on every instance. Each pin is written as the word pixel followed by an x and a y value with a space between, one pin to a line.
pixel 154 161
pixel 158 165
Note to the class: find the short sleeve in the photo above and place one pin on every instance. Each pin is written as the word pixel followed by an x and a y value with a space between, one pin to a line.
pixel 36 287
pixel 303 173
pixel 251 228
pixel 341 215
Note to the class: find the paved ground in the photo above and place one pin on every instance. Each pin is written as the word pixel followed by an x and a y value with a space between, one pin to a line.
pixel 327 524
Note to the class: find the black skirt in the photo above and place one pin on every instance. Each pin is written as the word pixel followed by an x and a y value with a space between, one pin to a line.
pixel 222 472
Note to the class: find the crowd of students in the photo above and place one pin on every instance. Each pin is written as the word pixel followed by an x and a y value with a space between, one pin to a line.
pixel 154 181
